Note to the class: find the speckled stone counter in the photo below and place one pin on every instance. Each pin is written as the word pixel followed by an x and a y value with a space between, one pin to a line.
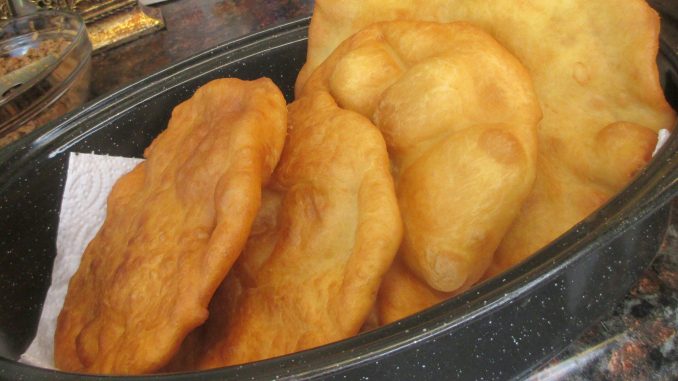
pixel 639 338
pixel 191 26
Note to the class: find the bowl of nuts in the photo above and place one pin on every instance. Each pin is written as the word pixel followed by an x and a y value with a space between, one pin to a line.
pixel 44 70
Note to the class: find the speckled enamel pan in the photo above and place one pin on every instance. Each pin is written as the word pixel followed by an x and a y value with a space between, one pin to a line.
pixel 500 329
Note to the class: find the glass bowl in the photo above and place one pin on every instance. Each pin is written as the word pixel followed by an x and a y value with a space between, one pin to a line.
pixel 45 61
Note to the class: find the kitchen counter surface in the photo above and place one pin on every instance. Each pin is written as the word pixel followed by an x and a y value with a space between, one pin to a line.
pixel 191 26
pixel 638 340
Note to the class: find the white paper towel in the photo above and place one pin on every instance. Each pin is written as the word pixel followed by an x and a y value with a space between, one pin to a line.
pixel 83 209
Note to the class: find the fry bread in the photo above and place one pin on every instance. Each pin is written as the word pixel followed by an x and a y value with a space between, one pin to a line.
pixel 328 232
pixel 459 116
pixel 174 227
pixel 259 246
pixel 594 72
pixel 402 294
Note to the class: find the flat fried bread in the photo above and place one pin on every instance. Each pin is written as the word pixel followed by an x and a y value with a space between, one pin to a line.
pixel 459 116
pixel 313 265
pixel 174 227
pixel 594 71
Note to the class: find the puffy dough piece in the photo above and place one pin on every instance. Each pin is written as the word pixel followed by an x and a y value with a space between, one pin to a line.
pixel 328 231
pixel 402 294
pixel 459 116
pixel 174 227
pixel 594 71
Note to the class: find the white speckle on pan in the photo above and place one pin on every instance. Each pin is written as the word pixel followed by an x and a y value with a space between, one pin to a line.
pixel 662 137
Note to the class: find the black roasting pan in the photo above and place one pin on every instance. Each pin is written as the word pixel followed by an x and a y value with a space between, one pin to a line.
pixel 500 329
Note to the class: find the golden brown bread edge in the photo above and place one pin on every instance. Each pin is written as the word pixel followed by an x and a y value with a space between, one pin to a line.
pixel 174 226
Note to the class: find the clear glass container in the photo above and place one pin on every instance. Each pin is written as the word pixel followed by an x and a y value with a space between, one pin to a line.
pixel 53 76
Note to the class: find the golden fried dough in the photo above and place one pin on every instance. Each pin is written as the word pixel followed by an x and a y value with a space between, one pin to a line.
pixel 328 232
pixel 594 71
pixel 260 244
pixel 174 227
pixel 459 116
pixel 402 294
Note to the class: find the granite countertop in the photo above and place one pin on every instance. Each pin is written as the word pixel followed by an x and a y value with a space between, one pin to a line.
pixel 191 26
pixel 638 340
